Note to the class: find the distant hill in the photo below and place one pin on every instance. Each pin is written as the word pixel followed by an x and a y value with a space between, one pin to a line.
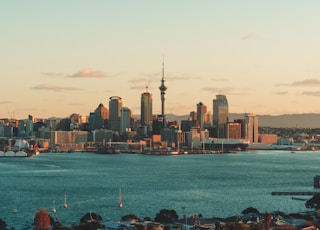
pixel 305 120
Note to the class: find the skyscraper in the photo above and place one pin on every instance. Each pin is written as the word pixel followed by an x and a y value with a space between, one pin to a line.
pixel 146 108
pixel 125 124
pixel 220 115
pixel 163 89
pixel 201 111
pixel 98 118
pixel 251 122
pixel 115 105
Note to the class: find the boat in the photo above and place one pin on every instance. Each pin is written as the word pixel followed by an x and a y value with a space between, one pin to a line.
pixel 65 205
pixel 54 206
pixel 120 199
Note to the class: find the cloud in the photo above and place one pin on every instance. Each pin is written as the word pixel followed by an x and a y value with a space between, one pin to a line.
pixel 183 77
pixel 229 90
pixel 250 36
pixel 140 80
pixel 311 93
pixel 220 79
pixel 156 77
pixel 88 73
pixel 281 92
pixel 6 102
pixel 53 88
pixel 53 74
pixel 307 82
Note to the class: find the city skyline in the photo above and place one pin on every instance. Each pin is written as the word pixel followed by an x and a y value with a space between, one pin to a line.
pixel 60 57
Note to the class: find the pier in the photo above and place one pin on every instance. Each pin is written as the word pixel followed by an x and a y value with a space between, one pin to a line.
pixel 294 193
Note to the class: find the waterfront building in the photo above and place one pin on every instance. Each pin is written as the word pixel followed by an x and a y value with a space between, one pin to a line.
pixel 252 125
pixel 243 127
pixel 115 105
pixel 29 127
pixel 51 124
pixel 68 140
pixel 220 115
pixel 146 108
pixel 268 139
pixel 125 118
pixel 233 130
pixel 21 128
pixel 193 139
pixel 102 136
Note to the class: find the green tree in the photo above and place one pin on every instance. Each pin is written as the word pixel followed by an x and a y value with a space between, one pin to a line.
pixel 166 216
pixel 3 224
pixel 250 210
pixel 314 202
pixel 130 217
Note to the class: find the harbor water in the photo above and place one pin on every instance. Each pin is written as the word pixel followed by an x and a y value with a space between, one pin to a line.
pixel 219 185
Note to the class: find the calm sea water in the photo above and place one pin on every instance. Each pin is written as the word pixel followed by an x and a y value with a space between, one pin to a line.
pixel 213 185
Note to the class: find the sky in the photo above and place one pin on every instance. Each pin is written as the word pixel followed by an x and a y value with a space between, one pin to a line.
pixel 62 57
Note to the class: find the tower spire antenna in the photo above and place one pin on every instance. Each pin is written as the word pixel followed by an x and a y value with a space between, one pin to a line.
pixel 163 89
pixel 162 68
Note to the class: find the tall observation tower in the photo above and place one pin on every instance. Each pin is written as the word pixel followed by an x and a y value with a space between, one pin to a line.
pixel 163 89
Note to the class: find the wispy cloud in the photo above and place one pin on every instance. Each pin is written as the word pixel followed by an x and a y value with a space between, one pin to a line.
pixel 6 102
pixel 311 93
pixel 53 74
pixel 307 82
pixel 222 79
pixel 281 92
pixel 141 80
pixel 156 77
pixel 54 88
pixel 250 36
pixel 183 77
pixel 229 90
pixel 88 73
pixel 139 87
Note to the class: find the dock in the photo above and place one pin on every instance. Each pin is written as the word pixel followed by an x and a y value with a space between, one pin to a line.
pixel 294 193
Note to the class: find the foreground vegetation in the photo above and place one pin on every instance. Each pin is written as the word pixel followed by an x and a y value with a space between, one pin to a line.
pixel 166 219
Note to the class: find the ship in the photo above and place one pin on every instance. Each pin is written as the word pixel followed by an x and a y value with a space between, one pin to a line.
pixel 225 145
pixel 106 150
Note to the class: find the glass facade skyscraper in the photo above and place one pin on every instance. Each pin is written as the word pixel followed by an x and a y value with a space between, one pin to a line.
pixel 115 105
pixel 220 115
pixel 146 108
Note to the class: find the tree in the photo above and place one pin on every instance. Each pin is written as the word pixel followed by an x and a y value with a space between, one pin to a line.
pixel 166 216
pixel 130 217
pixel 314 202
pixel 250 210
pixel 3 224
pixel 90 217
pixel 42 220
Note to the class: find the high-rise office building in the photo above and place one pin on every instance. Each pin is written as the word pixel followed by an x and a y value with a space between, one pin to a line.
pixel 98 118
pixel 115 105
pixel 201 111
pixel 251 122
pixel 146 108
pixel 220 115
pixel 125 124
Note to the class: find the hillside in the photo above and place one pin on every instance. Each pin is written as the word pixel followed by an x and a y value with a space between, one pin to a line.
pixel 306 120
